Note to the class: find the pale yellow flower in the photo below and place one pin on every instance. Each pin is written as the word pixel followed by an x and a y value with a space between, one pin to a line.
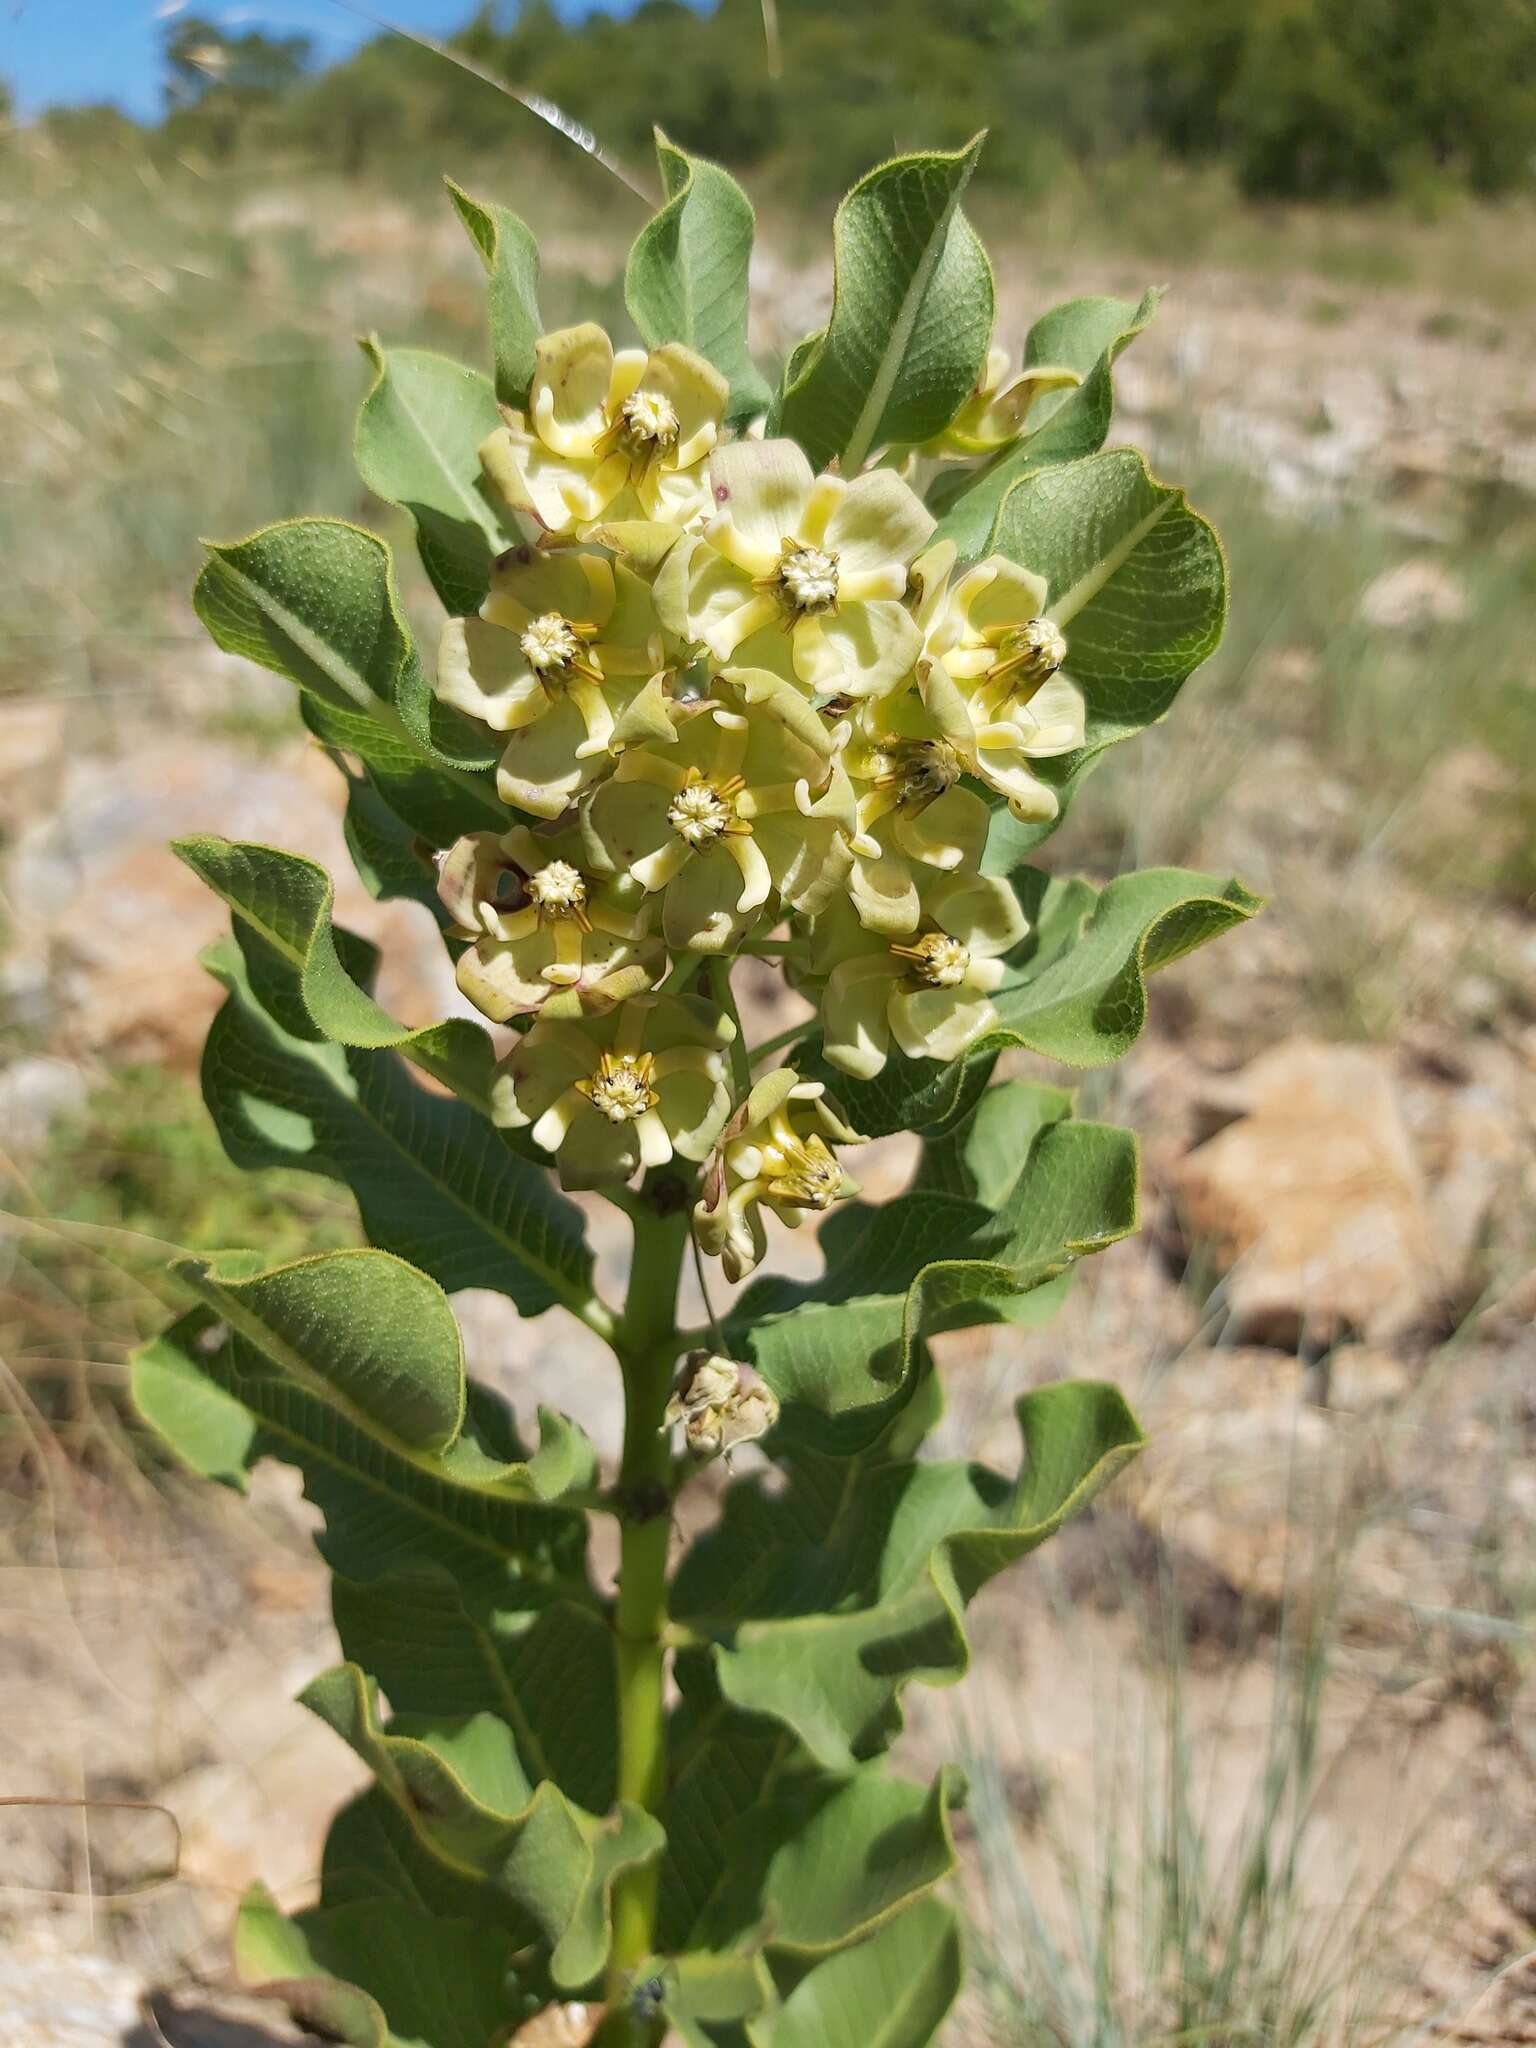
pixel 801 574
pixel 544 935
pixel 990 675
pixel 609 436
pixel 566 656
pixel 776 1153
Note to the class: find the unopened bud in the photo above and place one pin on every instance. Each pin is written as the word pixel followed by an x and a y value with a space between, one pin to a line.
pixel 721 1403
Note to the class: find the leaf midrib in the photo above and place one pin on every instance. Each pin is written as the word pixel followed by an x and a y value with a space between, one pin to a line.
pixel 1083 592
pixel 565 1290
pixel 865 427
pixel 391 384
pixel 358 1475
pixel 350 680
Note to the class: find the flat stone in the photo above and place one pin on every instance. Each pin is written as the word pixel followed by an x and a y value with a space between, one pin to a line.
pixel 1310 1202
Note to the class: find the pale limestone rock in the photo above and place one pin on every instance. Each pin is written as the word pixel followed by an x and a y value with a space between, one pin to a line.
pixel 1311 1202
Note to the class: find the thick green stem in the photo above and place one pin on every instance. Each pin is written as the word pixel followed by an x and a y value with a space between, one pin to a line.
pixel 646 1344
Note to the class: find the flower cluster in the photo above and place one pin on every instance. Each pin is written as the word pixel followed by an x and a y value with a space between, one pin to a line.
pixel 734 699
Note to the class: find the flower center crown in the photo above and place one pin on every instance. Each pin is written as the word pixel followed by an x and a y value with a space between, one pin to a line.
pixel 1033 652
pixel 919 770
pixel 808 578
pixel 803 1171
pixel 621 1088
pixel 558 890
pixel 703 812
pixel 647 421
pixel 550 642
pixel 937 960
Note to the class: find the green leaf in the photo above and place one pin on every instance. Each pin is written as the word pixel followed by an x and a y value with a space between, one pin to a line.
pixel 843 1353
pixel 434 1181
pixel 892 1991
pixel 282 908
pixel 373 1853
pixel 906 1095
pixel 378 1975
pixel 708 1995
pixel 1085 335
pixel 391 860
pixel 418 446
pixel 223 1388
pixel 765 1847
pixel 511 258
pixel 826 1598
pixel 686 279
pixel 283 902
pixel 473 1802
pixel 911 316
pixel 361 1329
pixel 1137 581
pixel 1086 1004
pixel 434 803
pixel 314 600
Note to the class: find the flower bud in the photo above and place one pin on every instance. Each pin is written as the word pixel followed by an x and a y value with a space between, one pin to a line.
pixel 721 1404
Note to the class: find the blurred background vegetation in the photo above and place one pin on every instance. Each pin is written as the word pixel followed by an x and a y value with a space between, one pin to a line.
pixel 1316 99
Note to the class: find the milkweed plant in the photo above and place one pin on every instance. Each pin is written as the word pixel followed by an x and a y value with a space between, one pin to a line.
pixel 802 672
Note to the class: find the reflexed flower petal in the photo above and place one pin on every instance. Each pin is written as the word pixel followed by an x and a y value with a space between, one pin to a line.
pixel 873 647
pixel 881 520
pixel 541 770
pixel 938 1023
pixel 856 1030
pixel 759 489
pixel 697 392
pixel 776 1153
pixel 482 670
pixel 568 397
pixel 951 832
pixel 700 912
pixel 980 909
pixel 1052 721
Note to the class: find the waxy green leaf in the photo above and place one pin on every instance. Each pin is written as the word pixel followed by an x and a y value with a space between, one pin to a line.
pixel 686 279
pixel 373 1349
pixel 314 600
pixel 418 446
pixel 912 303
pixel 484 1524
pixel 282 907
pixel 843 1353
pixel 892 1991
pixel 1085 335
pixel 1086 1005
pixel 361 1329
pixel 473 1802
pixel 1137 582
pixel 827 1598
pixel 434 1181
pixel 765 1844
pixel 373 1853
pixel 510 257
pixel 377 1974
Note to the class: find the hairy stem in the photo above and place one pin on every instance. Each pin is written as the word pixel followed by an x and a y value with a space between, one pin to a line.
pixel 781 1039
pixel 724 995
pixel 647 1348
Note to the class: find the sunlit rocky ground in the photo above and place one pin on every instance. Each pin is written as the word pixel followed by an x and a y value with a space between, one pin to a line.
pixel 1303 1626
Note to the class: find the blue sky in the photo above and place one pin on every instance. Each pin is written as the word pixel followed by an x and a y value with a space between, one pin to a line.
pixel 56 52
